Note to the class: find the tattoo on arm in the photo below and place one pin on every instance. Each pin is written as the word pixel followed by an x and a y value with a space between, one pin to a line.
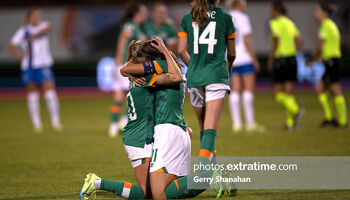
pixel 163 79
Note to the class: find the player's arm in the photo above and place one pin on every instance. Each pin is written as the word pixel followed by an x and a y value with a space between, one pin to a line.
pixel 272 53
pixel 248 43
pixel 15 52
pixel 231 53
pixel 317 53
pixel 298 42
pixel 46 29
pixel 173 75
pixel 182 50
pixel 121 44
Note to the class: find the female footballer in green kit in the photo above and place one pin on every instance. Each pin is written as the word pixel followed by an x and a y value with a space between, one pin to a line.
pixel 328 49
pixel 207 30
pixel 286 41
pixel 137 134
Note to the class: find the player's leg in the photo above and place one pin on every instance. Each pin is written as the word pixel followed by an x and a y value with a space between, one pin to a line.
pixel 340 103
pixel 248 101
pixel 116 110
pixel 335 88
pixel 170 159
pixel 33 101
pixel 142 177
pixel 326 106
pixel 120 188
pixel 234 101
pixel 52 104
pixel 197 96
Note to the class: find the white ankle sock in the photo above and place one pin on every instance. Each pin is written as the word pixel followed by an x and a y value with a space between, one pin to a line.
pixel 33 100
pixel 53 107
pixel 248 105
pixel 97 184
pixel 234 101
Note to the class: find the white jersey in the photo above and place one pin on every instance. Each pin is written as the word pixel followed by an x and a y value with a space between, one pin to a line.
pixel 38 54
pixel 243 27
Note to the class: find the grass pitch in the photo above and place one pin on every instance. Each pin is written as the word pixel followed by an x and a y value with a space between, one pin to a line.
pixel 53 165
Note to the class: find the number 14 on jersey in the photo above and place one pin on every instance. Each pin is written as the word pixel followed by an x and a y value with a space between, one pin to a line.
pixel 204 39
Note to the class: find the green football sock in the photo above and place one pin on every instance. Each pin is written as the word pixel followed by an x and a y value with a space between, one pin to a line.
pixel 178 188
pixel 201 135
pixel 323 99
pixel 122 189
pixel 340 106
pixel 115 110
pixel 207 147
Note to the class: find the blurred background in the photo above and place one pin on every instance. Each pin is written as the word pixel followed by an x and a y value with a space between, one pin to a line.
pixel 85 31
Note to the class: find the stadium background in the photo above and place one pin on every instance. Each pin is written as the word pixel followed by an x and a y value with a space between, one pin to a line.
pixel 52 165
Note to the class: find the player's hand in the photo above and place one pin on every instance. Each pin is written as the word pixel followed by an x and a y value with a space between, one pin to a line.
pixel 270 65
pixel 31 38
pixel 309 62
pixel 158 43
pixel 189 130
pixel 139 81
pixel 257 66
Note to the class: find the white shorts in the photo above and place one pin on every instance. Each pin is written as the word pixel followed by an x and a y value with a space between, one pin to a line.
pixel 137 155
pixel 200 95
pixel 121 83
pixel 171 150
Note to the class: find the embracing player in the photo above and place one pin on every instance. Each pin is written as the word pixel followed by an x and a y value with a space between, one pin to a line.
pixel 36 67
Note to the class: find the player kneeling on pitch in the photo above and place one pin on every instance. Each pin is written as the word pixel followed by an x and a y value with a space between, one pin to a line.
pixel 155 104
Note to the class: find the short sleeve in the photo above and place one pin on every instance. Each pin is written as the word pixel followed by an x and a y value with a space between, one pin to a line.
pixel 246 27
pixel 18 37
pixel 230 28
pixel 161 66
pixel 43 25
pixel 128 30
pixel 274 29
pixel 322 33
pixel 183 30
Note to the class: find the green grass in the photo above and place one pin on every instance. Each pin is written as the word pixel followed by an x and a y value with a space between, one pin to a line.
pixel 53 165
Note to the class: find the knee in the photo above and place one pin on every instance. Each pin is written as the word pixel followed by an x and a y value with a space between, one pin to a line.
pixel 158 193
pixel 248 96
pixel 235 96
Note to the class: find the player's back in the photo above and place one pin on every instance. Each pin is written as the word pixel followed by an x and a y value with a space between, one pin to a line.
pixel 140 124
pixel 207 47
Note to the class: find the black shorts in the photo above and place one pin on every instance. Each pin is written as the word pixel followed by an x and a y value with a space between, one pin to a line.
pixel 332 73
pixel 284 69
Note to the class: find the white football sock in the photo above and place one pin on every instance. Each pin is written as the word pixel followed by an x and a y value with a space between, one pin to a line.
pixel 248 105
pixel 53 107
pixel 33 100
pixel 97 184
pixel 234 101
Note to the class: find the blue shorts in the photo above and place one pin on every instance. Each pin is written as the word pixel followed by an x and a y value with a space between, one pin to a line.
pixel 37 76
pixel 243 69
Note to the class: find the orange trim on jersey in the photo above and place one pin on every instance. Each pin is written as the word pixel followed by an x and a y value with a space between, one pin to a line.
pixel 214 154
pixel 177 185
pixel 204 153
pixel 158 68
pixel 160 170
pixel 182 34
pixel 153 80
pixel 114 109
pixel 127 185
pixel 147 159
pixel 233 35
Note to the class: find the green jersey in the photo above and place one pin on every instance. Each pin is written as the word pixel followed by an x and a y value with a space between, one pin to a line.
pixel 284 28
pixel 133 32
pixel 169 100
pixel 166 32
pixel 330 34
pixel 139 129
pixel 208 47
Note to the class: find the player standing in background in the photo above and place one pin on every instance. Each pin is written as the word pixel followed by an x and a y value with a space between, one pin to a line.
pixel 243 71
pixel 134 16
pixel 36 67
pixel 328 49
pixel 286 41
pixel 208 30
pixel 161 26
